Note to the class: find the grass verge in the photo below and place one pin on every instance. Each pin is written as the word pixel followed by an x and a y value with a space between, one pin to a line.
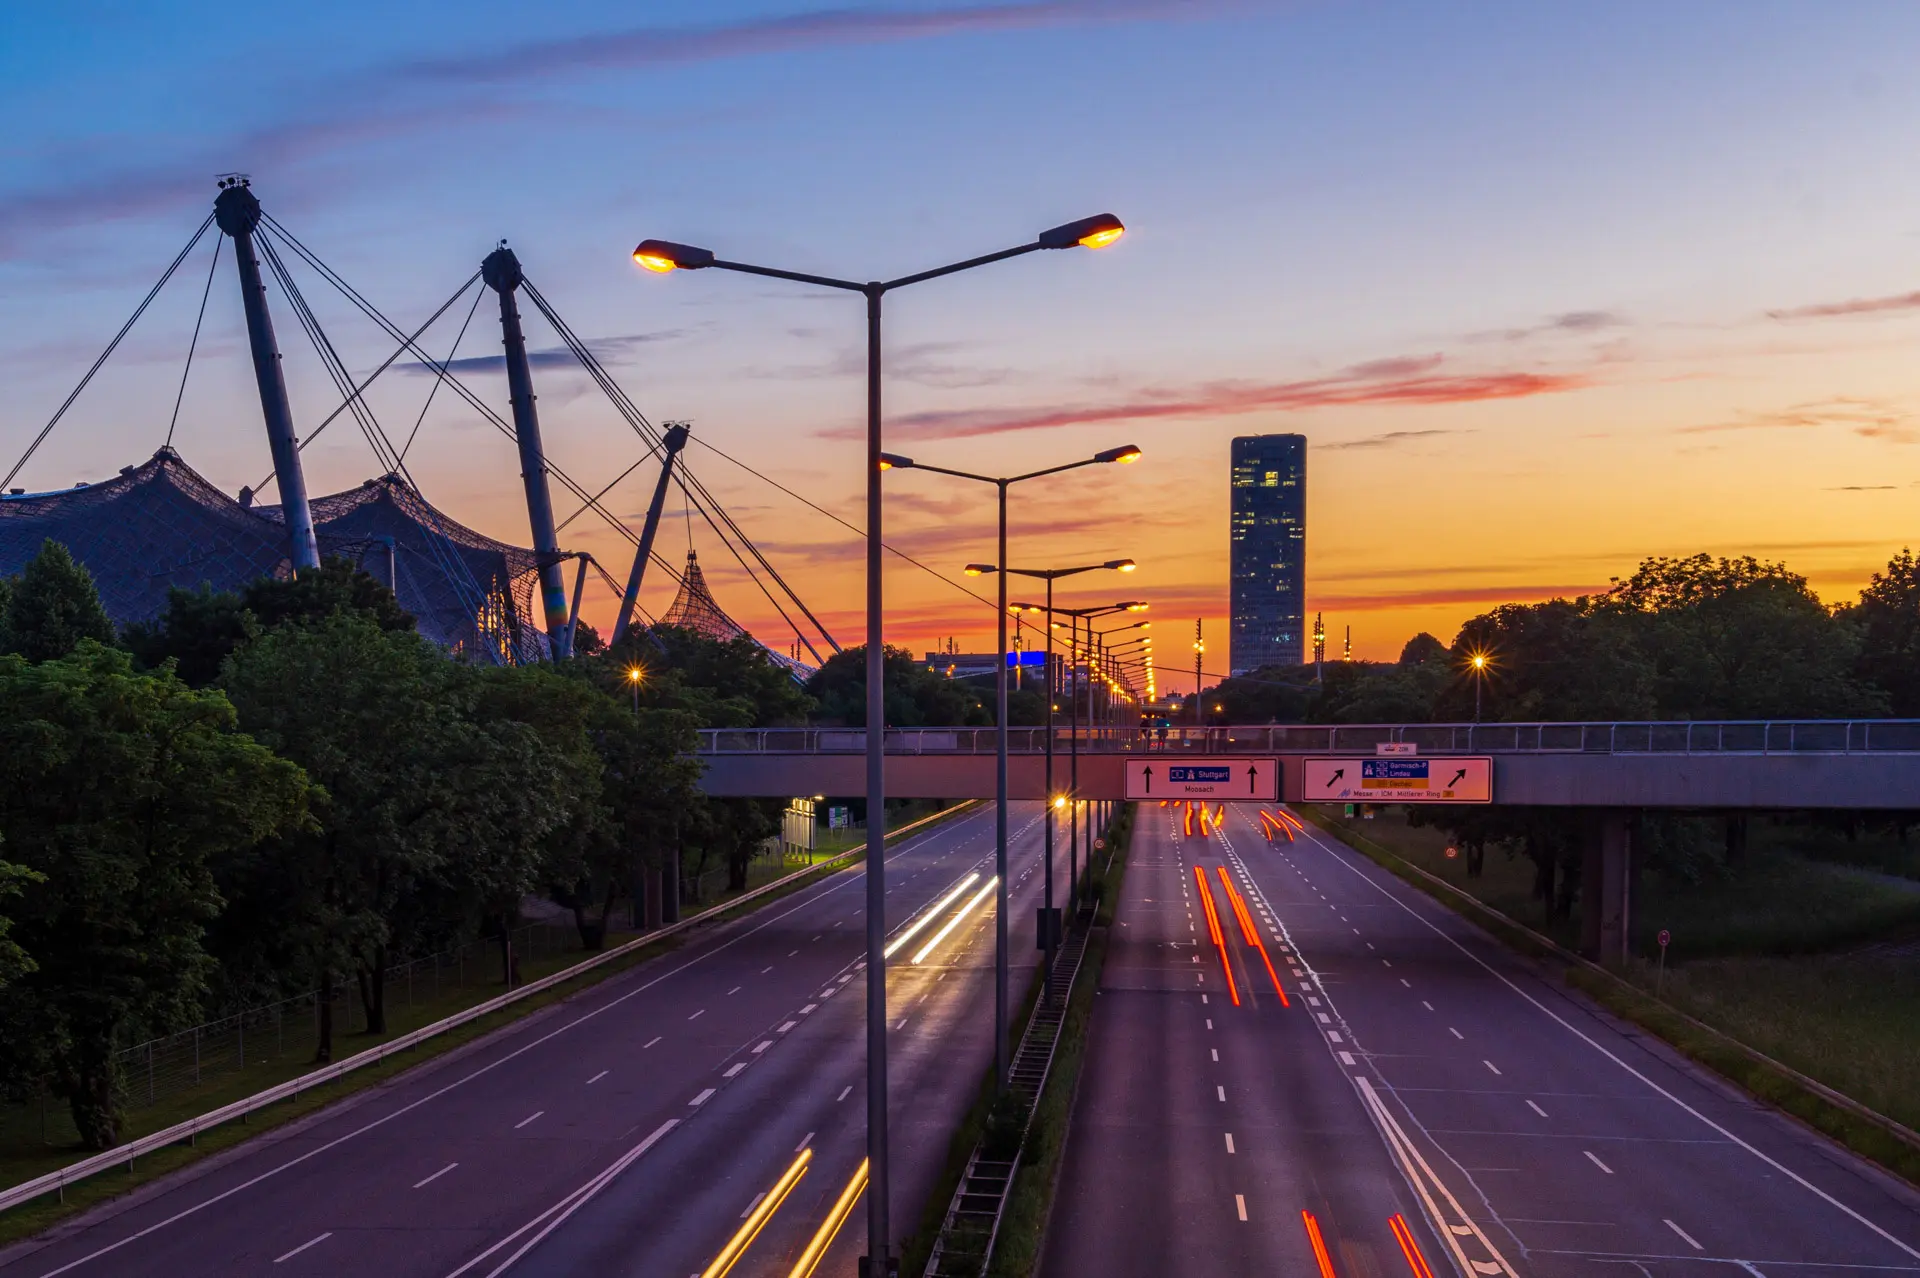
pixel 41 1213
pixel 1776 1024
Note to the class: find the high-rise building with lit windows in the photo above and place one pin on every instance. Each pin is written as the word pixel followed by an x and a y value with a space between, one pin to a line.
pixel 1268 532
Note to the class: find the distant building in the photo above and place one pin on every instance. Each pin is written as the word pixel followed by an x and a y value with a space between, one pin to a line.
pixel 1268 532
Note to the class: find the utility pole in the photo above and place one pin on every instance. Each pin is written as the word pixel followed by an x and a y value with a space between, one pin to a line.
pixel 1199 647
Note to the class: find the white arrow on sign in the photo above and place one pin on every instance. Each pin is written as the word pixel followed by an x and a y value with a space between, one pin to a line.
pixel 1173 776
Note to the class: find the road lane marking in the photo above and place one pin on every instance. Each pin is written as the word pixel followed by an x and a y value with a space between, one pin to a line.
pixel 1456 1033
pixel 1536 1109
pixel 1684 1235
pixel 761 1047
pixel 843 1093
pixel 808 1008
pixel 1334 1038
pixel 1426 1005
pixel 734 1069
pixel 1229 1136
pixel 303 1246
pixel 528 1119
pixel 1311 1001
pixel 1216 1053
pixel 650 1042
pixel 422 1184
pixel 1323 1018
pixel 1240 1205
pixel 1346 1058
pixel 765 970
pixel 1209 1022
pixel 697 1015
pixel 804 1142
pixel 597 1077
pixel 735 990
pixel 792 953
pixel 1490 1065
pixel 705 1095
pixel 756 1200
pixel 1222 1093
pixel 1595 1160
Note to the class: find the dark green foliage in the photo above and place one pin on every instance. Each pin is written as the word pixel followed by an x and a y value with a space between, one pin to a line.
pixel 119 791
pixel 51 606
pixel 1422 649
pixel 916 696
pixel 1887 621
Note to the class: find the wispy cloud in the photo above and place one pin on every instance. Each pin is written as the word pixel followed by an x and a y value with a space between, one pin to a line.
pixel 1444 595
pixel 1863 488
pixel 1853 306
pixel 1405 380
pixel 924 363
pixel 1567 322
pixel 1872 418
pixel 1392 439
pixel 608 350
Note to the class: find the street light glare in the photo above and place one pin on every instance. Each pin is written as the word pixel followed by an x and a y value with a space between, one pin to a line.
pixel 1124 565
pixel 1094 232
pixel 665 255
pixel 634 674
pixel 1123 454
pixel 979 570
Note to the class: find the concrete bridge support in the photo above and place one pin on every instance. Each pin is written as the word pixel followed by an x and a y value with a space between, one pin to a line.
pixel 1606 885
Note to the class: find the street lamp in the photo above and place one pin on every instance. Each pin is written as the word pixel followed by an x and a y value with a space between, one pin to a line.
pixel 1479 663
pixel 634 675
pixel 1002 1058
pixel 664 256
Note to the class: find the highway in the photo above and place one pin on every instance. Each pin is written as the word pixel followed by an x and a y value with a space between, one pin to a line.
pixel 634 1128
pixel 1426 1099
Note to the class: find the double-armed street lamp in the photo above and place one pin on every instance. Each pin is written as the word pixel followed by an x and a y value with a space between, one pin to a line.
pixel 1002 1059
pixel 1075 616
pixel 665 256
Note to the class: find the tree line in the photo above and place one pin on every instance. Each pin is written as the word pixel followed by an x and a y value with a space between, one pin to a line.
pixel 285 789
pixel 1686 638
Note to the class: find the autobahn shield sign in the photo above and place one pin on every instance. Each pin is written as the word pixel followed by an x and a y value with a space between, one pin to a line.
pixel 1397 780
pixel 1189 778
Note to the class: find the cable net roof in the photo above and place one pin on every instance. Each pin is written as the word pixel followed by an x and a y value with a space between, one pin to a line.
pixel 694 608
pixel 160 525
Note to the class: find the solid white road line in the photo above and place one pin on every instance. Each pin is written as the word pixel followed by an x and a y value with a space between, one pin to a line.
pixel 528 1119
pixel 1595 1160
pixel 421 1184
pixel 597 1077
pixel 1684 1236
pixel 1774 1163
pixel 311 1242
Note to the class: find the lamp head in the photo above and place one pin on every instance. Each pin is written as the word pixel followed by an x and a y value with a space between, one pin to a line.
pixel 979 570
pixel 665 255
pixel 1095 232
pixel 1128 453
pixel 894 461
pixel 1024 607
pixel 1122 565
pixel 634 674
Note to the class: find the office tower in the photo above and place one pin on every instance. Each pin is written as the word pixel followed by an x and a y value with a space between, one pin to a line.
pixel 1268 531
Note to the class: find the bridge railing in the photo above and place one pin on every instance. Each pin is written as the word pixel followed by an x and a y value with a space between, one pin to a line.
pixel 1687 737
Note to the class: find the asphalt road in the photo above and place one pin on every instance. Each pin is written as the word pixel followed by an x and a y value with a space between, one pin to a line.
pixel 629 1129
pixel 1423 1073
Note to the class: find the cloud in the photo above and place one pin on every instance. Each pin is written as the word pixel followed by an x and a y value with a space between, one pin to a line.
pixel 652 46
pixel 1566 322
pixel 924 363
pixel 1872 418
pixel 1853 306
pixel 1863 488
pixel 1391 439
pixel 608 350
pixel 1398 381
pixel 1442 595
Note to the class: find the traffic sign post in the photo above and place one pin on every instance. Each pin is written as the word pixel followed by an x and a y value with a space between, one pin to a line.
pixel 1397 780
pixel 1660 973
pixel 1257 780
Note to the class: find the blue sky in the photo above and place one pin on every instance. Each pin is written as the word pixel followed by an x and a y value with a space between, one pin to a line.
pixel 1549 287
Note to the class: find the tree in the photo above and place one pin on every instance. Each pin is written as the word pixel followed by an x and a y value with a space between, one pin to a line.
pixel 1887 623
pixel 371 715
pixel 1741 639
pixel 1565 659
pixel 1421 649
pixel 1270 694
pixel 51 607
pixel 916 696
pixel 14 961
pixel 117 790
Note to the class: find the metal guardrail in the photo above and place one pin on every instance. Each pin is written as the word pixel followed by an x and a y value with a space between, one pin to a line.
pixel 1701 737
pixel 123 1155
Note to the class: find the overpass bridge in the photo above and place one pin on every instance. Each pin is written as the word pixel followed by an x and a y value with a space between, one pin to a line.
pixel 1744 764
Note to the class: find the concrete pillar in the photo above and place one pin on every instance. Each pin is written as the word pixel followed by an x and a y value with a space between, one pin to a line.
pixel 1606 886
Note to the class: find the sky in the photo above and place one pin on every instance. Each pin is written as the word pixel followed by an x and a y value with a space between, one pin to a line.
pixel 1549 288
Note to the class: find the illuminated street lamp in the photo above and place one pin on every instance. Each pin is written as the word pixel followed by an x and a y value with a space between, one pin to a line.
pixel 634 675
pixel 1002 1010
pixel 1478 661
pixel 665 256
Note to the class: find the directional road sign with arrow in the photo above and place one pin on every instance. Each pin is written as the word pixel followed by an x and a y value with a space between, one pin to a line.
pixel 1397 780
pixel 1186 777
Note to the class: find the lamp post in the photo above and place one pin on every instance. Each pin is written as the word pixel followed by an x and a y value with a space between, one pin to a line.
pixel 634 675
pixel 1479 663
pixel 663 256
pixel 1075 616
pixel 1002 1059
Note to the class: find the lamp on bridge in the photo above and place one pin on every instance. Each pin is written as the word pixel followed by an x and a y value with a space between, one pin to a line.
pixel 667 256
